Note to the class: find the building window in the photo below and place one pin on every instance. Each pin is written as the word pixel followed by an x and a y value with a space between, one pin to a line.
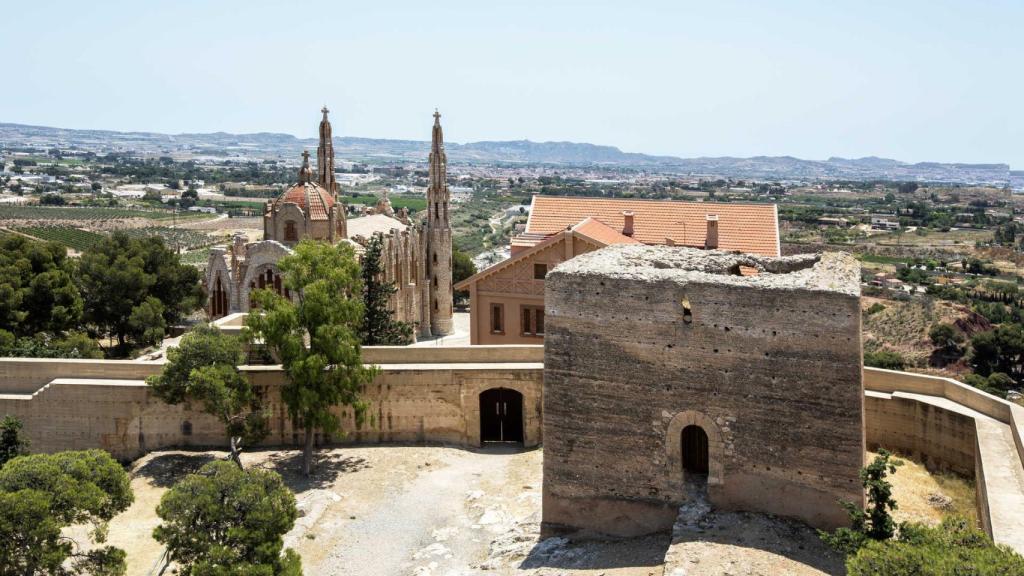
pixel 540 271
pixel 497 318
pixel 290 234
pixel 532 320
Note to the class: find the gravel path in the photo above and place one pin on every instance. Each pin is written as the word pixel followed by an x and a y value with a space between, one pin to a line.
pixel 425 522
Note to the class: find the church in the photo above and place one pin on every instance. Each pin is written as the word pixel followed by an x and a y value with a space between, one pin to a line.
pixel 416 256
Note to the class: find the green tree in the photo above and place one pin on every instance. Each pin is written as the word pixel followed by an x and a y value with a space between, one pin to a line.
pixel 327 313
pixel 37 289
pixel 226 521
pixel 953 548
pixel 874 522
pixel 945 336
pixel 42 494
pixel 204 367
pixel 118 277
pixel 998 350
pixel 189 198
pixel 12 443
pixel 462 268
pixel 379 325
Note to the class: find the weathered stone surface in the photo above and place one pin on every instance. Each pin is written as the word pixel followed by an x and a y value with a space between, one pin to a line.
pixel 644 340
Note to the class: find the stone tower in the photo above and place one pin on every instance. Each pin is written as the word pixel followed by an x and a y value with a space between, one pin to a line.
pixel 439 237
pixel 325 169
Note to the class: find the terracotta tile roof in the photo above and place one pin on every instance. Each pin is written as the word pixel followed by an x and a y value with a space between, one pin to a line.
pixel 751 228
pixel 602 233
pixel 313 199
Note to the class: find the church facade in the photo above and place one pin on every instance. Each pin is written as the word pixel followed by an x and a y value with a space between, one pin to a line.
pixel 416 256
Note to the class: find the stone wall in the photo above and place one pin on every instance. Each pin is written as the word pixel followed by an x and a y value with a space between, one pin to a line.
pixel 421 395
pixel 643 341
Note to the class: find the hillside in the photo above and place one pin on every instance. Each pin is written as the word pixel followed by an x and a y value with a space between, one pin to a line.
pixel 275 145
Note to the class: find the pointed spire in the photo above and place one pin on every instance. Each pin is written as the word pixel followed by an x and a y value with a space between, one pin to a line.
pixel 325 156
pixel 305 174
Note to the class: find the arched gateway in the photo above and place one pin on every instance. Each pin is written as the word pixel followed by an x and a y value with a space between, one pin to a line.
pixel 501 416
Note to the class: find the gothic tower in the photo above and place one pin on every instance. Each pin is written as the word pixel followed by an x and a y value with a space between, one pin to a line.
pixel 325 177
pixel 325 156
pixel 439 237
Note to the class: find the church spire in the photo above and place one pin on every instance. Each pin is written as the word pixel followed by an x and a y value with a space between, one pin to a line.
pixel 325 156
pixel 439 237
pixel 437 193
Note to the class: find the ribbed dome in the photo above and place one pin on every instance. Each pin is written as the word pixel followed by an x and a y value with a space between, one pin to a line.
pixel 313 200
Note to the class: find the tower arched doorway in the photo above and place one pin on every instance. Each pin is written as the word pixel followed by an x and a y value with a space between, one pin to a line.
pixel 501 416
pixel 694 444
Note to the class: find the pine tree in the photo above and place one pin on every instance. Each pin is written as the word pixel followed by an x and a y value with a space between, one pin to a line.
pixel 379 326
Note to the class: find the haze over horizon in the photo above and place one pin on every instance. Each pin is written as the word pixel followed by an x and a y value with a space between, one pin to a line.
pixel 919 81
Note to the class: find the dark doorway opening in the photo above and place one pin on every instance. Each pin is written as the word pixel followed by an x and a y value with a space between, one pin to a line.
pixel 695 450
pixel 501 416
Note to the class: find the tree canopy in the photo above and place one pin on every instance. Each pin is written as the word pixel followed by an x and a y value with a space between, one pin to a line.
pixel 135 288
pixel 43 493
pixel 379 326
pixel 37 289
pixel 12 443
pixel 315 337
pixel 226 521
pixel 204 367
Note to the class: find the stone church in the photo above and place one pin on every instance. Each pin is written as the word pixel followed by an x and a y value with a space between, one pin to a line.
pixel 416 256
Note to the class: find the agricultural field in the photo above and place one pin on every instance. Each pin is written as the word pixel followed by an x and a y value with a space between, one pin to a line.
pixel 75 238
pixel 80 240
pixel 13 213
pixel 174 237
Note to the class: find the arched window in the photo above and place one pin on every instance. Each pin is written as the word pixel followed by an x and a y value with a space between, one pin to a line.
pixel 290 233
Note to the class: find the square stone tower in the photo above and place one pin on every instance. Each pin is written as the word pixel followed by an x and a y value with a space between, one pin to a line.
pixel 666 366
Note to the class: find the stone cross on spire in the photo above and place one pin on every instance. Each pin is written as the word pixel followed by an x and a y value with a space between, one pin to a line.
pixel 305 173
pixel 325 111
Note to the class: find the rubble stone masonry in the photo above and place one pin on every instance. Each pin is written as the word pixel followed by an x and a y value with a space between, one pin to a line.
pixel 763 354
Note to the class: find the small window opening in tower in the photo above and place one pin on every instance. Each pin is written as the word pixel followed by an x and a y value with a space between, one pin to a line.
pixel 687 311
pixel 435 257
pixel 436 212
pixel 435 305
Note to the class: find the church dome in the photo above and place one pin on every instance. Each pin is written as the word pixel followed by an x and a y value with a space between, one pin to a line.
pixel 309 196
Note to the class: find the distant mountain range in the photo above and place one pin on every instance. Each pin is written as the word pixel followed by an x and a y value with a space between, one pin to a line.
pixel 518 152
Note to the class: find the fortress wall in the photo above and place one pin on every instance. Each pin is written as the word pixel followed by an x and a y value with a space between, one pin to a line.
pixel 940 438
pixel 772 376
pixel 26 375
pixel 431 403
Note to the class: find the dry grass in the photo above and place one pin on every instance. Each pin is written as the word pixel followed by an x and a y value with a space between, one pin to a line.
pixel 903 326
pixel 914 489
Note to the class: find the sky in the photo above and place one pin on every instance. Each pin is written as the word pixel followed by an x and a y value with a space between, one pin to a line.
pixel 912 80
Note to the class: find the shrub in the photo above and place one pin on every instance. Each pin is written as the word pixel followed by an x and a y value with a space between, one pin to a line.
pixel 874 522
pixel 952 548
pixel 885 359
pixel 874 308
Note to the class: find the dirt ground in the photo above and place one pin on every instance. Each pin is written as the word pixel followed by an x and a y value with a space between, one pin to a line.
pixel 437 511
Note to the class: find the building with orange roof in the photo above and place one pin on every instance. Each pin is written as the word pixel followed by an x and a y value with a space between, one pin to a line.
pixel 507 299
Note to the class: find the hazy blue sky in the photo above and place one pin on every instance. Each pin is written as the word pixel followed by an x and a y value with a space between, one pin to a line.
pixel 930 80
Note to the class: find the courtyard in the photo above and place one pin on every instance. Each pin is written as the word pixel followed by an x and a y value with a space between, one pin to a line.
pixel 439 511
